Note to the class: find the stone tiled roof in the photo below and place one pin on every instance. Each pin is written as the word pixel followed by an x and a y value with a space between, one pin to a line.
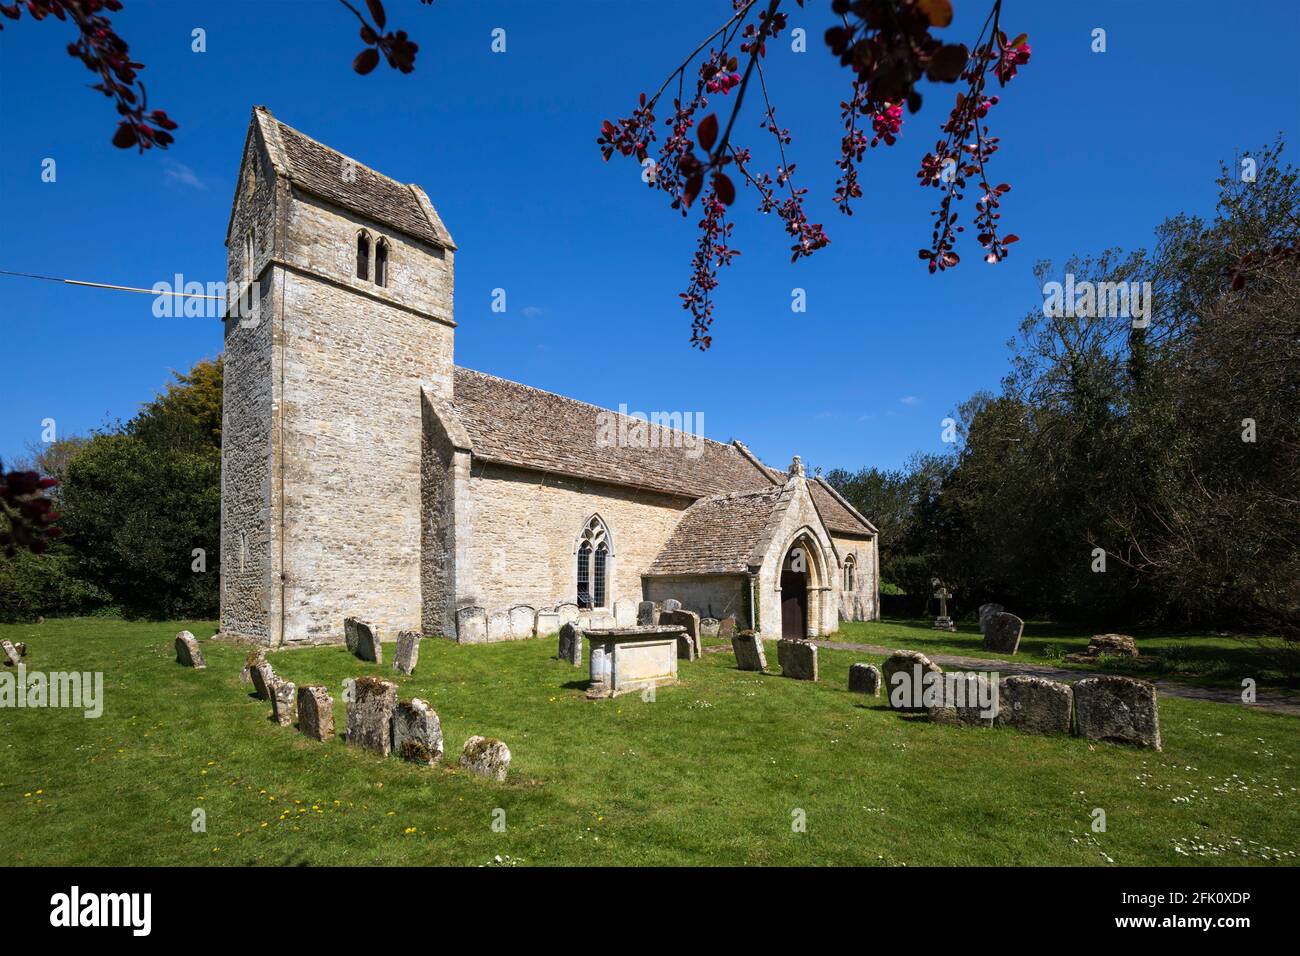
pixel 717 535
pixel 518 425
pixel 319 170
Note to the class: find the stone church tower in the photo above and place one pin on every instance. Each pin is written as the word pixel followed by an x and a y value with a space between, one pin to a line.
pixel 339 321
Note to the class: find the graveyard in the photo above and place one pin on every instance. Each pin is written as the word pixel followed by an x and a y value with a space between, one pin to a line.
pixel 724 766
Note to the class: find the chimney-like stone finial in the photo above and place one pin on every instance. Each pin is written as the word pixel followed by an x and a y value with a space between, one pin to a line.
pixel 796 468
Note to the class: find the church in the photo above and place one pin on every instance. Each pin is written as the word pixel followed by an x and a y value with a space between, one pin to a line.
pixel 364 474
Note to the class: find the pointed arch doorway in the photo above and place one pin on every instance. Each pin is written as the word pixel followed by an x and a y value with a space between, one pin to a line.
pixel 794 594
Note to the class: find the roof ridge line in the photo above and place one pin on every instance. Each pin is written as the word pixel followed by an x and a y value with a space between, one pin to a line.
pixel 336 152
pixel 578 401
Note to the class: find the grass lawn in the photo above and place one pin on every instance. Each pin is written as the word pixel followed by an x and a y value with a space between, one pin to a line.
pixel 711 772
pixel 1216 659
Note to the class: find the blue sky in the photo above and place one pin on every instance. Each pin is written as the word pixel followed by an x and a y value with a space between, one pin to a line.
pixel 1098 148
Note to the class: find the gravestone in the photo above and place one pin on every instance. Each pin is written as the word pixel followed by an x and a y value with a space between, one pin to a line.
pixel 417 732
pixel 1035 705
pixel 798 659
pixel 264 679
pixel 368 647
pixel 350 634
pixel 498 625
pixel 188 651
pixel 408 652
pixel 966 698
pixel 370 714
pixel 522 619
pixel 471 625
pixel 10 653
pixel 283 696
pixel 256 656
pixel 709 627
pixel 749 651
pixel 943 622
pixel 727 628
pixel 1118 710
pixel 625 613
pixel 986 612
pixel 689 644
pixel 547 622
pixel 672 604
pixel 571 644
pixel 486 757
pixel 864 679
pixel 1002 633
pixel 568 612
pixel 315 712
pixel 21 648
pixel 647 615
pixel 904 673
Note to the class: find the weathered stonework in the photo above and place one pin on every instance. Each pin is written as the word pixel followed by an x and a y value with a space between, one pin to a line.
pixel 417 733
pixel 864 679
pixel 1035 705
pixel 749 651
pixel 315 712
pixel 370 714
pixel 689 647
pixel 1117 710
pixel 571 644
pixel 283 698
pixel 263 677
pixel 486 757
pixel 188 652
pixel 798 659
pixel 904 673
pixel 407 654
pixel 1002 632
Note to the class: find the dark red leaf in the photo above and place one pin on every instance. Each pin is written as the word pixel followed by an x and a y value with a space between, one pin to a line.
pixel 366 60
pixel 725 189
pixel 708 131
pixel 125 137
pixel 377 11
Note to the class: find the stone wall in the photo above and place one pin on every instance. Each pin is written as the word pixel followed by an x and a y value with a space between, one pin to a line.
pixel 521 531
pixel 861 604
pixel 717 596
pixel 249 538
pixel 328 388
pixel 799 516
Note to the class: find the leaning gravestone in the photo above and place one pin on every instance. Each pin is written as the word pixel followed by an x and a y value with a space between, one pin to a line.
pixel 571 644
pixel 256 656
pixel 965 698
pixel 986 612
pixel 370 714
pixel 709 627
pixel 10 654
pixel 21 648
pixel 417 732
pixel 904 692
pixel 315 712
pixel 188 651
pixel 368 646
pixel 350 634
pixel 672 604
pixel 1035 705
pixel 864 679
pixel 1002 633
pixel 1117 709
pixel 486 757
pixel 727 628
pixel 750 655
pixel 408 652
pixel 647 615
pixel 798 659
pixel 264 678
pixel 688 645
pixel 283 696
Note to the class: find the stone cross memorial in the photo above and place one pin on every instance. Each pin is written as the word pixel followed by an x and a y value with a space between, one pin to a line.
pixel 943 622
